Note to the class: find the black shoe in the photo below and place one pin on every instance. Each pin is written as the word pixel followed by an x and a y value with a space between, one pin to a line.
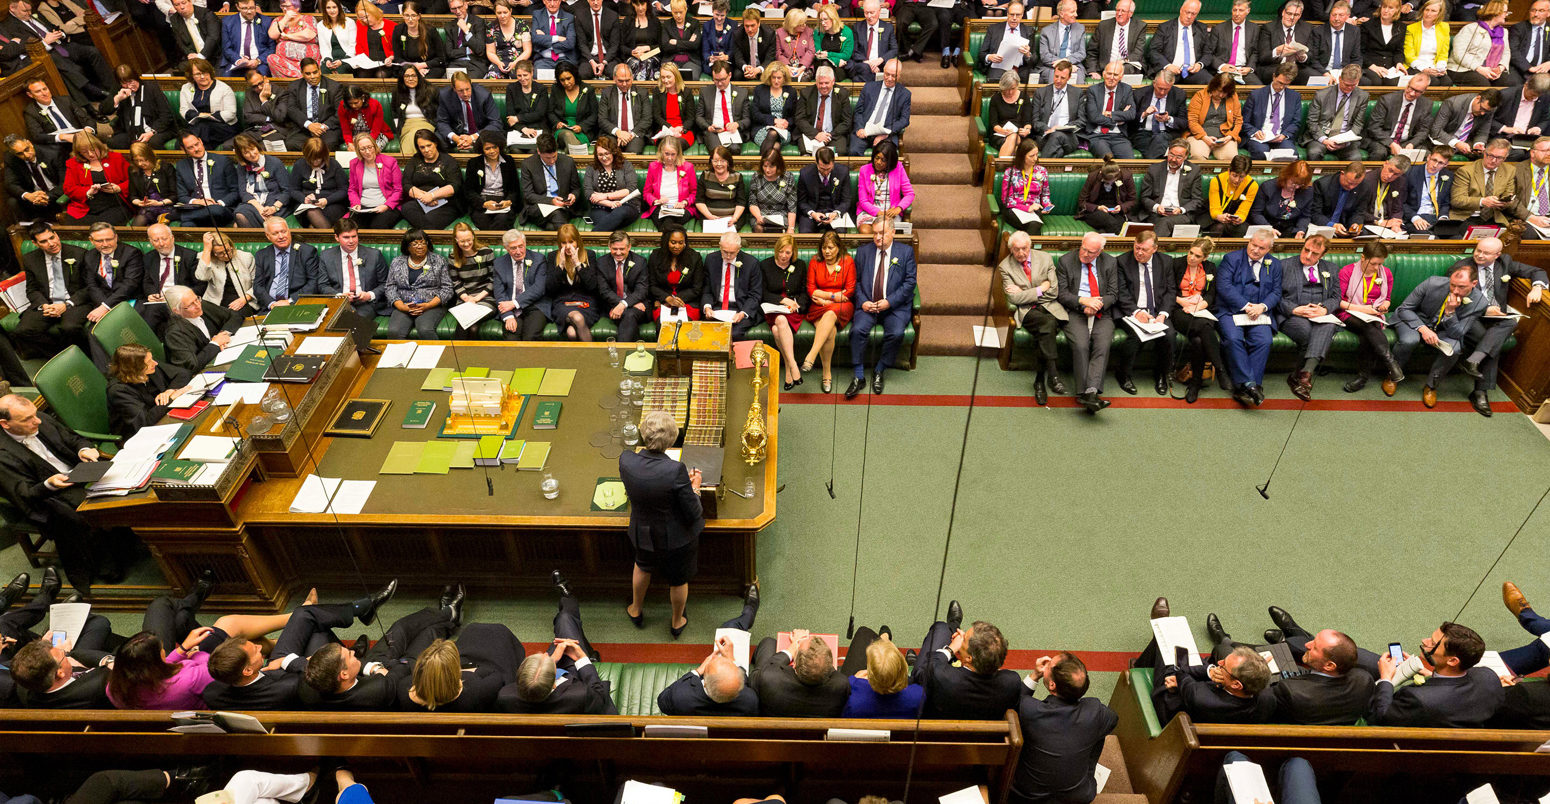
pixel 947 61
pixel 203 587
pixel 1040 396
pixel 1223 381
pixel 1191 392
pixel 560 584
pixel 1284 621
pixel 1471 368
pixel 639 620
pixel 360 646
pixel 1057 386
pixel 1481 403
pixel 854 388
pixel 111 576
pixel 1241 395
pixel 49 587
pixel 14 590
pixel 74 597
pixel 885 631
pixel 786 386
pixel 877 382
pixel 751 597
pixel 1162 386
pixel 366 607
pixel 954 615
pixel 909 657
pixel 1214 630
pixel 678 632
pixel 1274 636
pixel 1094 403
pixel 1127 386
pixel 452 600
pixel 1357 383
pixel 1160 608
pixel 189 783
pixel 1257 391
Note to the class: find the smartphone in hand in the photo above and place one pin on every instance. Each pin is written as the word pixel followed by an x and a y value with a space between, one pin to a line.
pixel 1396 652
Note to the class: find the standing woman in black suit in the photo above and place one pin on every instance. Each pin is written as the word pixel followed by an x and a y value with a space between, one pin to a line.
pixel 665 518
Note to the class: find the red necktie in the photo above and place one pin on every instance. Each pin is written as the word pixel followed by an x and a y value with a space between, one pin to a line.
pixel 1028 269
pixel 349 261
pixel 1092 284
pixel 1108 108
pixel 823 105
pixel 726 111
pixel 166 270
pixel 597 34
pixel 879 281
pixel 726 288
pixel 624 112
pixel 468 110
pixel 619 278
pixel 1404 120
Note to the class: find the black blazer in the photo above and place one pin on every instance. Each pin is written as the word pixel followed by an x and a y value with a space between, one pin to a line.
pixel 1380 51
pixel 184 262
pixel 1165 284
pixel 89 690
pixel 1317 700
pixel 686 698
pixel 41 127
pixel 72 260
pixel 1272 35
pixel 303 270
pixel 23 473
pixel 133 405
pixel 273 690
pixel 567 181
pixel 1062 742
pixel 1159 52
pixel 155 112
pixel 473 182
pixel 1156 180
pixel 435 55
pixel 759 108
pixel 530 108
pixel 1068 267
pixel 1326 194
pixel 818 194
pixel 1221 43
pixel 370 693
pixel 788 284
pixel 188 348
pixel 1520 43
pixel 840 115
pixel 782 695
pixel 747 283
pixel 673 44
pixel 1350 45
pixel 1125 194
pixel 1524 706
pixel 586 110
pixel 686 108
pixel 474 42
pixel 128 275
pixel 163 181
pixel 1442 702
pixel 583 692
pixel 1205 702
pixel 209 30
pixel 335 187
pixel 664 509
pixel 19 181
pixel 637 280
pixel 958 693
pixel 691 282
pixel 294 103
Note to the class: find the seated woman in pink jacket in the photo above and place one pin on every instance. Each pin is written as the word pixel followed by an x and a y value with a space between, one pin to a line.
pixel 881 186
pixel 670 185
pixel 376 186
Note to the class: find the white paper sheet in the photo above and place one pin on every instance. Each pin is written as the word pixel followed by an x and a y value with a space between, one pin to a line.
pixel 208 448
pixel 69 618
pixel 516 140
pixel 1493 660
pixel 1206 314
pixel 363 62
pixel 396 355
pixel 723 315
pixel 314 494
pixel 319 345
pixel 1281 155
pixel 739 640
pixel 1344 137
pixel 1101 776
pixel 469 314
pixel 987 337
pixel 716 226
pixel 1243 320
pixel 1247 781
pixel 1024 216
pixel 427 356
pixel 1011 51
pixel 968 795
pixel 548 209
pixel 641 793
pixel 249 392
pixel 1146 331
pixel 1371 319
pixel 352 496
pixel 1484 794
pixel 1190 230
pixel 671 314
pixel 1327 318
pixel 1173 633
pixel 148 443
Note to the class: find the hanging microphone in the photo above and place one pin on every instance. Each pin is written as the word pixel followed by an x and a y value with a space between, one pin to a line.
pixel 1264 489
pixel 850 630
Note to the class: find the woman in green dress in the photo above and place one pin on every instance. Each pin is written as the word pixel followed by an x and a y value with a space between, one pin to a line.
pixel 572 107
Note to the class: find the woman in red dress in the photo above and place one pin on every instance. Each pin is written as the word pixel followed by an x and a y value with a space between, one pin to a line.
pixel 831 282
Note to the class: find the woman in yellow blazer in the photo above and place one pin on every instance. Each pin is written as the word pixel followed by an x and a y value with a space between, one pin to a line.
pixel 1426 44
pixel 1215 120
pixel 1231 198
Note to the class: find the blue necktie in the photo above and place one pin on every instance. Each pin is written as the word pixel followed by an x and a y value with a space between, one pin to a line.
pixel 1065 39
pixel 280 288
pixel 1334 58
pixel 1184 33
pixel 1334 217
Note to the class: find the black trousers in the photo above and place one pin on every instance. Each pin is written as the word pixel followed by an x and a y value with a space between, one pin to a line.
pixel 410 635
pixel 113 786
pixel 917 12
pixel 629 324
pixel 1043 327
pixel 1205 343
pixel 1370 344
pixel 312 627
pixel 39 336
pixel 567 623
pixel 744 620
pixel 530 326
pixel 18 623
pixel 855 655
pixel 1162 354
pixel 171 619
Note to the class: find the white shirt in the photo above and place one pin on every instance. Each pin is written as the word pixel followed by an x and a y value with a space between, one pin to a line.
pixel 165 261
pixel 1184 56
pixel 880 112
pixel 199 324
pixel 1060 106
pixel 1426 56
pixel 1170 195
pixel 1236 57
pixel 36 446
pixel 884 268
pixel 1143 270
pixel 350 266
pixel 1121 36
pixel 722 96
pixel 1272 125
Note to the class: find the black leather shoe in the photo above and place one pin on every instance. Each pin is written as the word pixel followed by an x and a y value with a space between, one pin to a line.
pixel 360 646
pixel 1357 383
pixel 73 597
pixel 49 587
pixel 560 584
pixel 1160 608
pixel 1040 396
pixel 1127 386
pixel 1257 391
pixel 203 587
pixel 639 620
pixel 1274 636
pixel 189 783
pixel 1191 392
pixel 1241 395
pixel 1162 386
pixel 1481 403
pixel 1214 629
pixel 854 388
pixel 877 382
pixel 366 607
pixel 954 615
pixel 947 61
pixel 14 590
pixel 1096 403
pixel 452 600
pixel 1057 386
pixel 751 597
pixel 678 632
pixel 1471 368
pixel 1284 621
pixel 885 631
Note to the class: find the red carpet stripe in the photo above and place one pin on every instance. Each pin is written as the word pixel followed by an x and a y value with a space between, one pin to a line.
pixel 1139 402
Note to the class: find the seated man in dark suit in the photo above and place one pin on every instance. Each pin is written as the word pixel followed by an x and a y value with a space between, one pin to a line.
pixel 85 72
pixel 284 269
pixel 312 108
pixel 166 264
pixel 1229 690
pixel 52 122
pixel 59 293
pixel 823 193
pixel 718 686
pixel 342 681
pixel 520 282
pixel 978 688
pixel 882 111
pixel 196 333
pixel 1063 734
pixel 1334 691
pixel 66 676
pixel 32 184
pixel 1458 694
pixel 800 681
pixel 1338 200
pixel 114 272
pixel 462 111
pixel 885 296
pixel 549 177
pixel 208 182
pixel 1428 193
pixel 734 286
pixel 1161 120
pixel 579 690
pixel 626 286
pixel 1147 286
pixel 1309 290
pixel 356 271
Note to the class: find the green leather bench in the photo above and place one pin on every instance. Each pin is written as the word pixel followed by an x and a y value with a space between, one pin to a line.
pixel 635 685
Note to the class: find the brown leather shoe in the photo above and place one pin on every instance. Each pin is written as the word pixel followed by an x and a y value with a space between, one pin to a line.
pixel 1160 608
pixel 1389 387
pixel 1301 383
pixel 1429 396
pixel 1514 600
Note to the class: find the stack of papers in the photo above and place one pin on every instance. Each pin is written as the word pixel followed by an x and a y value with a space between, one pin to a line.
pixel 148 444
pixel 249 392
pixel 319 345
pixel 69 618
pixel 122 478
pixel 470 313
pixel 1147 331
pixel 1247 781
pixel 207 448
pixel 330 495
pixel 1173 633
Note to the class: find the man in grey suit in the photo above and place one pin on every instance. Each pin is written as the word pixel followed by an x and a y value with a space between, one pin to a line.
pixel 1308 291
pixel 1108 109
pixel 990 46
pixel 195 333
pixel 1403 119
pixel 1161 117
pixel 1439 312
pixel 1464 121
pixel 625 113
pixel 824 114
pixel 1064 39
pixel 722 110
pixel 1087 285
pixel 1031 286
pixel 355 271
pixel 1120 38
pixel 1336 110
pixel 1288 40
pixel 1183 47
pixel 1170 191
pixel 1235 43
pixel 1059 105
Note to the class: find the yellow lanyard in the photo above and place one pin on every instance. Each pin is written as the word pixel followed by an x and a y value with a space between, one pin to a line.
pixel 1442 309
pixel 1377 203
pixel 1027 185
pixel 1367 283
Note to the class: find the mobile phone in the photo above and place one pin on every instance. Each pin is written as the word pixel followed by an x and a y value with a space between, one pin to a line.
pixel 56 638
pixel 1396 652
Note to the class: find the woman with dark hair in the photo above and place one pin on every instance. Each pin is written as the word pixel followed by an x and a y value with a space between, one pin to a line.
pixel 360 113
pixel 263 184
pixel 641 35
pixel 96 182
pixel 572 288
pixel 472 270
pixel 772 195
pixel 417 44
pixel 1106 198
pixel 1196 294
pixel 608 182
pixel 1367 287
pixel 335 37
pixel 677 276
pixel 140 389
pixel 1025 188
pixel 572 107
pixel 1285 201
pixel 1231 198
pixel 430 198
pixel 785 285
pixel 882 188
pixel 511 42
pixel 527 105
pixel 208 107
pixel 721 193
pixel 414 102
pixel 490 184
pixel 153 185
pixel 418 288
pixel 831 289
pixel 318 181
pixel 1215 120
pixel 376 185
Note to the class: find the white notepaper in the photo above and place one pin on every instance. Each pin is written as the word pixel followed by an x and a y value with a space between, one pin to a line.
pixel 1101 776
pixel 1206 314
pixel 1257 228
pixel 1173 633
pixel 674 314
pixel 319 345
pixel 314 494
pixel 396 355
pixel 352 496
pixel 469 313
pixel 1327 231
pixel 968 795
pixel 209 448
pixel 1190 230
pixel 249 392
pixel 1146 331
pixel 544 74
pixel 716 225
pixel 1484 794
pixel 1247 781
pixel 1327 318
pixel 1011 51
pixel 516 140
pixel 641 793
pixel 739 639
pixel 148 443
pixel 1359 315
pixel 1025 216
pixel 1493 660
pixel 69 618
pixel 1281 155
pixel 1243 320
pixel 363 62
pixel 987 337
pixel 427 356
pixel 548 209
pixel 723 315
pixel 1344 137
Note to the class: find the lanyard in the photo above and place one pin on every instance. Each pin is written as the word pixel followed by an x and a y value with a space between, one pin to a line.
pixel 1367 283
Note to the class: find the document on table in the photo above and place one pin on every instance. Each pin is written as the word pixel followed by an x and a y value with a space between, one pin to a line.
pixel 469 313
pixel 1281 155
pixel 249 392
pixel 987 337
pixel 968 795
pixel 641 793
pixel 426 356
pixel 716 225
pixel 1243 320
pixel 363 62
pixel 1326 231
pixel 1186 230
pixel 319 345
pixel 1247 780
pixel 319 495
pixel 69 618
pixel 739 639
pixel 148 443
pixel 1011 51
pixel 396 355
pixel 1327 318
pixel 209 448
pixel 1173 633
pixel 1146 331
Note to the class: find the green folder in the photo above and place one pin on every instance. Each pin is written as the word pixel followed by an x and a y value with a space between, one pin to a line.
pixel 472 372
pixel 463 457
pixel 512 451
pixel 288 314
pixel 439 379
pixel 402 458
pixel 488 447
pixel 436 458
pixel 253 362
pixel 557 382
pixel 526 380
pixel 503 376
pixel 534 455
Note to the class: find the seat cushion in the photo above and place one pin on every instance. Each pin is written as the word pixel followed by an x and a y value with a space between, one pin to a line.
pixel 635 685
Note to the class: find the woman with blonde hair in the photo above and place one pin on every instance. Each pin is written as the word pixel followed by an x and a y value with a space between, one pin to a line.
pixel 882 688
pixel 374 40
pixel 1480 52
pixel 441 682
pixel 834 43
pixel 473 277
pixel 228 274
pixel 785 286
pixel 96 182
pixel 773 108
pixel 572 286
pixel 674 106
pixel 794 45
pixel 1426 43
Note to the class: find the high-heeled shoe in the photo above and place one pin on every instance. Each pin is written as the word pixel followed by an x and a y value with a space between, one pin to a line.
pixel 797 381
pixel 677 632
pixel 787 385
pixel 638 619
pixel 828 385
pixel 806 367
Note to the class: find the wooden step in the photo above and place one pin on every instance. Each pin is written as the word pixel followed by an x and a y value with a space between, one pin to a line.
pixel 933 101
pixel 947 206
pixel 940 134
pixel 953 289
pixel 927 73
pixel 954 246
pixel 952 335
pixel 928 168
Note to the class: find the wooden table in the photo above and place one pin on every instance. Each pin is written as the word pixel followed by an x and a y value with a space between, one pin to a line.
pixel 485 528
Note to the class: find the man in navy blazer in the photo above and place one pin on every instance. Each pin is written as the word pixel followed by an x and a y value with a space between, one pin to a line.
pixel 733 284
pixel 554 36
pixel 355 271
pixel 875 44
pixel 519 294
pixel 245 42
pixel 456 104
pixel 1248 282
pixel 963 670
pixel 1063 734
pixel 882 112
pixel 885 294
pixel 284 269
pixel 207 181
pixel 1523 115
pixel 1261 130
pixel 1107 110
pixel 1429 192
pixel 626 286
pixel 716 687
pixel 1458 694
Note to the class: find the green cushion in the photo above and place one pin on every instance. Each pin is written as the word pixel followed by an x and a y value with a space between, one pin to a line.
pixel 1141 682
pixel 123 325
pixel 635 685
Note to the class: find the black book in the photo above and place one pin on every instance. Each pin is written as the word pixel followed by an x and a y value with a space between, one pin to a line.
pixel 290 368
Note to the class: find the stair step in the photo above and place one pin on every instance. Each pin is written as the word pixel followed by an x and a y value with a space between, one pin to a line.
pixel 935 100
pixel 947 206
pixel 950 246
pixel 937 133
pixel 939 169
pixel 927 73
pixel 952 335
pixel 953 289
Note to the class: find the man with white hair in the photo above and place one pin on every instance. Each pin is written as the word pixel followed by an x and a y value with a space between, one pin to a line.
pixel 1494 273
pixel 1248 287
pixel 1065 39
pixel 734 286
pixel 1181 47
pixel 521 279
pixel 196 333
pixel 1028 277
pixel 1088 287
pixel 875 43
pixel 284 269
pixel 166 263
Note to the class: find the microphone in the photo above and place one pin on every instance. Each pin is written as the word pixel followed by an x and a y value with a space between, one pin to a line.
pixel 1264 488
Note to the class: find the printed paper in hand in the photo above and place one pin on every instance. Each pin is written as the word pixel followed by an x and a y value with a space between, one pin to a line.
pixel 641 793
pixel 1025 216
pixel 363 62
pixel 724 315
pixel 515 139
pixel 739 639
pixel 69 618
pixel 1206 314
pixel 1493 660
pixel 1484 794
pixel 548 209
pixel 968 795
pixel 1173 633
pixel 1011 52
pixel 1147 331
pixel 1345 137
pixel 1243 320
pixel 773 309
pixel 545 74
pixel 1247 781
pixel 469 313
pixel 716 226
